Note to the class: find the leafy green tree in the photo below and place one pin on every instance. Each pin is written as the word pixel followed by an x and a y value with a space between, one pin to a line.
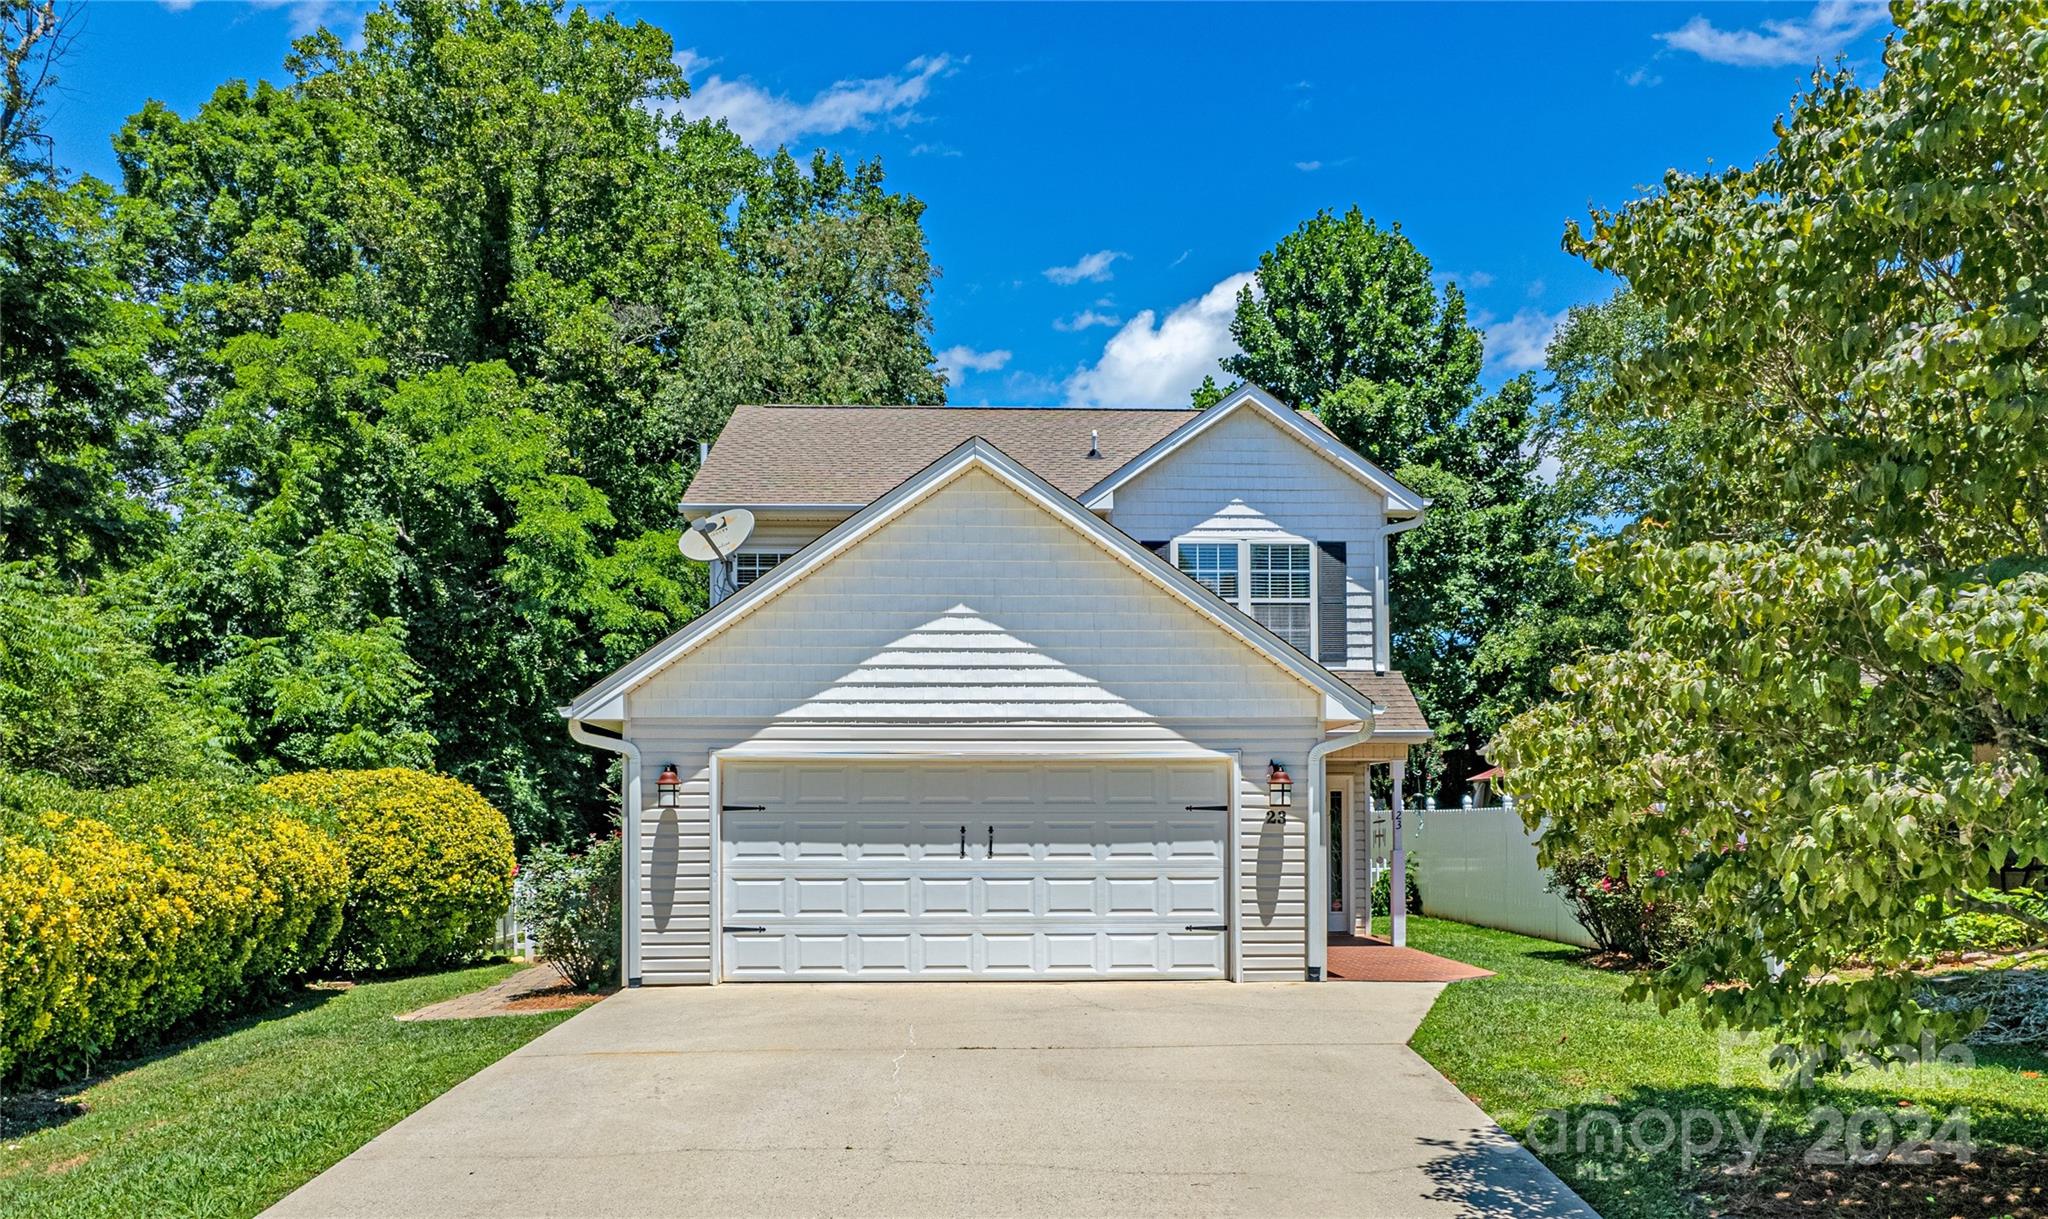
pixel 432 329
pixel 82 699
pixel 1349 322
pixel 1828 725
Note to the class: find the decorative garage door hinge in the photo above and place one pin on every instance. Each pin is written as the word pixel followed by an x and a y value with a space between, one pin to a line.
pixel 737 929
pixel 1206 927
pixel 1208 808
pixel 742 808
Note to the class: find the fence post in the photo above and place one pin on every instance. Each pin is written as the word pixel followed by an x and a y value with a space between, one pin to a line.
pixel 1466 803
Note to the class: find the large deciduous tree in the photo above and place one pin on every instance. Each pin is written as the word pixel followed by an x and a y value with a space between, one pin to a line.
pixel 1828 725
pixel 374 390
pixel 1349 323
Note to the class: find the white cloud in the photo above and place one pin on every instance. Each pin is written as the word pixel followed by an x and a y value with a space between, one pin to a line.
pixel 935 150
pixel 1308 167
pixel 1777 44
pixel 760 117
pixel 1517 344
pixel 1148 364
pixel 1643 78
pixel 1084 319
pixel 1093 267
pixel 959 361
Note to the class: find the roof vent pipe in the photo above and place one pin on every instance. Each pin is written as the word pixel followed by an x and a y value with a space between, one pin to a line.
pixel 703 451
pixel 1094 443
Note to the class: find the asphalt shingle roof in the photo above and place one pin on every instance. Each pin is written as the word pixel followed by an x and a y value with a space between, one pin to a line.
pixel 1389 690
pixel 857 454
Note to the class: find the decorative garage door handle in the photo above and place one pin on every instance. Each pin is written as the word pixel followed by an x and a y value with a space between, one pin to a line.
pixel 743 808
pixel 739 929
pixel 1208 808
pixel 1207 927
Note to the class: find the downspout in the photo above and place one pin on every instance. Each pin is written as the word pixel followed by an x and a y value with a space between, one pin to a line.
pixel 1318 817
pixel 629 844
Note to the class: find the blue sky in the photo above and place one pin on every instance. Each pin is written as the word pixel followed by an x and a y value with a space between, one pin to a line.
pixel 1099 179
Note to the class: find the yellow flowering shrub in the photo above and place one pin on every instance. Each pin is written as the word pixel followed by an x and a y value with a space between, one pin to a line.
pixel 430 862
pixel 129 913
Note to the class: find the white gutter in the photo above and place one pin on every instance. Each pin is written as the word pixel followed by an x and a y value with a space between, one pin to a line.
pixel 629 844
pixel 1317 816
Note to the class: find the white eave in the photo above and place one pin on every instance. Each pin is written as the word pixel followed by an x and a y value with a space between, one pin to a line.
pixel 605 700
pixel 1401 500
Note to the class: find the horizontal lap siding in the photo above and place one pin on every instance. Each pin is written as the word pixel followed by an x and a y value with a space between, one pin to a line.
pixel 1272 879
pixel 675 848
pixel 975 616
pixel 1283 488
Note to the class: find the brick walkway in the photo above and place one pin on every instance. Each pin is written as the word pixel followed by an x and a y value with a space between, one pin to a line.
pixel 495 999
pixel 1357 958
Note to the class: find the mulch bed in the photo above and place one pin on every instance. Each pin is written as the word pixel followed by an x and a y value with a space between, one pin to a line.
pixel 1998 1183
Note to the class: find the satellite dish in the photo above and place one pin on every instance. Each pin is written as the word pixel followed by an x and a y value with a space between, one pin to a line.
pixel 714 537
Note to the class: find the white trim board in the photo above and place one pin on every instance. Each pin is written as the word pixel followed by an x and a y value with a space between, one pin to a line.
pixel 1401 500
pixel 605 700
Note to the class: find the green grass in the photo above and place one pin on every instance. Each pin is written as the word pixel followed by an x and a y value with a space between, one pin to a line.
pixel 227 1125
pixel 1549 1033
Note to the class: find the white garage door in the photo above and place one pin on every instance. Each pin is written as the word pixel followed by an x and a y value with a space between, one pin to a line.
pixel 880 870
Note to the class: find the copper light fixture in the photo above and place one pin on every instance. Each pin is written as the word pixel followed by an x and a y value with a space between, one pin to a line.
pixel 1279 787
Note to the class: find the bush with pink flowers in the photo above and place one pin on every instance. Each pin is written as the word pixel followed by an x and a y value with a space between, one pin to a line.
pixel 1640 919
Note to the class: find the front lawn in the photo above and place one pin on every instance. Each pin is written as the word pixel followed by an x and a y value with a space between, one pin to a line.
pixel 227 1125
pixel 1550 1034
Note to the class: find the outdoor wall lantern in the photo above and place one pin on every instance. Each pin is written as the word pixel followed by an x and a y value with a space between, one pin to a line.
pixel 1279 787
pixel 669 786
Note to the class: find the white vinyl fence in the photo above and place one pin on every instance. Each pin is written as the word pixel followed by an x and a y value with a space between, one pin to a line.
pixel 1478 865
pixel 514 938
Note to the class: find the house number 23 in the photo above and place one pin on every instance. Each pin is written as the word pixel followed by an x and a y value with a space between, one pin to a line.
pixel 1276 816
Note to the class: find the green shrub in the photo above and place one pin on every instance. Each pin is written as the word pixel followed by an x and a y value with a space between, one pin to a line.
pixel 1645 922
pixel 430 863
pixel 124 915
pixel 1986 932
pixel 1383 892
pixel 571 903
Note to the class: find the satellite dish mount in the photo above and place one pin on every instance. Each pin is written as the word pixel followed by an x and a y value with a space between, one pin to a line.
pixel 715 537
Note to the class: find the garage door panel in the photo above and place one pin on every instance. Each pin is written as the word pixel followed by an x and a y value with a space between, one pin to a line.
pixel 946 952
pixel 881 897
pixel 901 870
pixel 816 897
pixel 941 896
pixel 1013 897
pixel 757 897
pixel 1072 895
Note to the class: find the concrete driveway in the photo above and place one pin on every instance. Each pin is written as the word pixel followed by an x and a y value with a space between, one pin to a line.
pixel 957 1099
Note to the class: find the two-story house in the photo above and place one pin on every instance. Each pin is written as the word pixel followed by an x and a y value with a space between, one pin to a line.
pixel 1015 693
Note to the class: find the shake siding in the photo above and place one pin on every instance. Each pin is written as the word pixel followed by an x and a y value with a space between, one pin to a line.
pixel 975 620
pixel 1244 477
